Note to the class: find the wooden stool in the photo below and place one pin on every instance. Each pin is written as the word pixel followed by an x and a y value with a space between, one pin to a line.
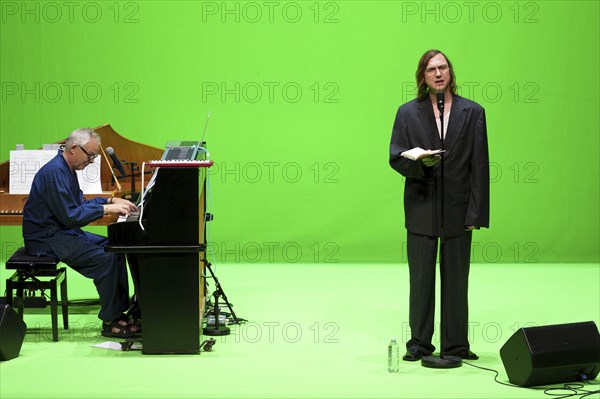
pixel 28 269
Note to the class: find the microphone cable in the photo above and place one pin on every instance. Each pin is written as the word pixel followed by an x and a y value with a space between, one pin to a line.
pixel 574 389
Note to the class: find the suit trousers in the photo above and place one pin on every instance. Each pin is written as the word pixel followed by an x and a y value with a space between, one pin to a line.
pixel 85 254
pixel 455 253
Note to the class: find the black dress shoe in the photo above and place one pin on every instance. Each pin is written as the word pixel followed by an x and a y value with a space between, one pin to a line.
pixel 412 355
pixel 465 354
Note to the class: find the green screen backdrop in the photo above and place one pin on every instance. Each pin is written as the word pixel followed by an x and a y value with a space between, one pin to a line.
pixel 303 96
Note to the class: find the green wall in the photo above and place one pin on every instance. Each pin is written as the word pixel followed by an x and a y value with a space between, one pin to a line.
pixel 303 96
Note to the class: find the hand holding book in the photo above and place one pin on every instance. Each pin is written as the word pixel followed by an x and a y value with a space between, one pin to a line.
pixel 417 153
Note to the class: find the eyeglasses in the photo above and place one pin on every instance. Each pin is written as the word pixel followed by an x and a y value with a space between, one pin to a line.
pixel 90 156
pixel 441 68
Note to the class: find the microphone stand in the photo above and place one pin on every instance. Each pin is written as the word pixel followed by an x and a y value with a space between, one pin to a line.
pixel 218 329
pixel 132 168
pixel 119 188
pixel 445 362
pixel 440 105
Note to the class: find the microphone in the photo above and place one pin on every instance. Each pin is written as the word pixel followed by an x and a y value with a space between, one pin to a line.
pixel 440 102
pixel 111 153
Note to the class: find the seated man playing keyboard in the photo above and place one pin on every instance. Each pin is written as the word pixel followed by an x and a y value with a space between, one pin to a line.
pixel 53 216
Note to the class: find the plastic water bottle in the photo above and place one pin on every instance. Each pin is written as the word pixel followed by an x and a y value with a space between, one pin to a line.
pixel 393 356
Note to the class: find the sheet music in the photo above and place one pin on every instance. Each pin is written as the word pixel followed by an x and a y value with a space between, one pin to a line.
pixel 24 164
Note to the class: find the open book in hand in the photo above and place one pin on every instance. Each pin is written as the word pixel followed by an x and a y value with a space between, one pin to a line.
pixel 419 153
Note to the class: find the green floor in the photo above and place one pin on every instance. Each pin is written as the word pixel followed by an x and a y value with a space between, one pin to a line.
pixel 313 331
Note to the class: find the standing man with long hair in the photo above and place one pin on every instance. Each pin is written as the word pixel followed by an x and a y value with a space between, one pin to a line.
pixel 458 181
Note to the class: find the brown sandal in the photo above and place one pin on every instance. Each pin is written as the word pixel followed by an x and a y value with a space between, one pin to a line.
pixel 135 325
pixel 119 328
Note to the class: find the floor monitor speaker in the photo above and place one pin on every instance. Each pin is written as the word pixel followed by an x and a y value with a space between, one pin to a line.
pixel 552 354
pixel 12 333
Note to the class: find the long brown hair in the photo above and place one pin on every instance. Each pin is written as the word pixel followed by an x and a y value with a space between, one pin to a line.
pixel 423 90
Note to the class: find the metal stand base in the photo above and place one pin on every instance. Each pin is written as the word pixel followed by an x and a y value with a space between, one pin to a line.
pixel 444 362
pixel 216 330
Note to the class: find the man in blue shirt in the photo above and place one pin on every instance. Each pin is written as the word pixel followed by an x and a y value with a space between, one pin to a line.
pixel 53 216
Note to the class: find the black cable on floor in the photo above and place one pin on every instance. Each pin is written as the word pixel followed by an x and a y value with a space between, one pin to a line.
pixel 574 389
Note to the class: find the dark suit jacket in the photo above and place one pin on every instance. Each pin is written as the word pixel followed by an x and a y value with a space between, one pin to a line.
pixel 466 167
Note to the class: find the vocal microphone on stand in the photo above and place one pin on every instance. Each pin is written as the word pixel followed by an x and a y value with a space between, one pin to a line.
pixel 440 103
pixel 116 162
pixel 446 361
